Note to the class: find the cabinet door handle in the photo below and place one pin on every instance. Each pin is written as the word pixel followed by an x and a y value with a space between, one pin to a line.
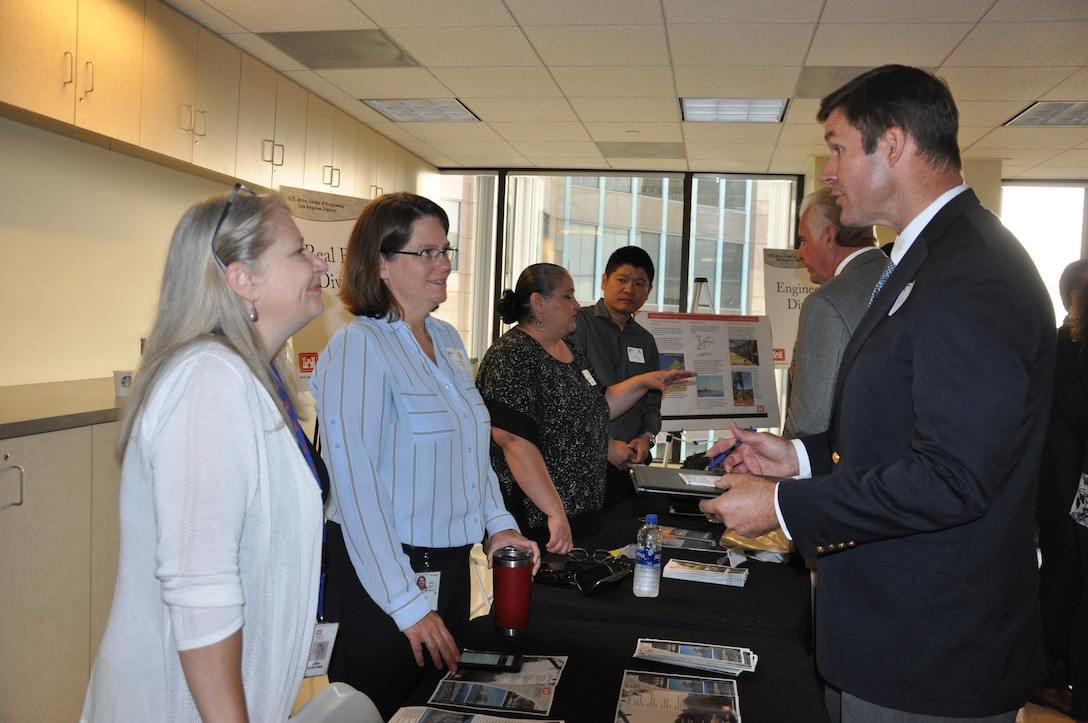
pixel 22 485
pixel 204 125
pixel 326 172
pixel 274 147
pixel 271 146
pixel 90 87
pixel 336 178
pixel 71 57
pixel 192 117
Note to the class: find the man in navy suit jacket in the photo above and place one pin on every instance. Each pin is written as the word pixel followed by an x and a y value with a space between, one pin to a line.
pixel 921 492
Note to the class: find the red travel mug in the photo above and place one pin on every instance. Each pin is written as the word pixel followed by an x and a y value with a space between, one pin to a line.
pixel 512 577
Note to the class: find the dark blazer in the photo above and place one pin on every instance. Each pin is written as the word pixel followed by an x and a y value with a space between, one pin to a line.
pixel 924 486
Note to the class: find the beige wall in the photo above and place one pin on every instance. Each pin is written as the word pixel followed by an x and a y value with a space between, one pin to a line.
pixel 83 238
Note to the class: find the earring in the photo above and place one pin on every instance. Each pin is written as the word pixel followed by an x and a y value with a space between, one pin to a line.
pixel 540 324
pixel 253 316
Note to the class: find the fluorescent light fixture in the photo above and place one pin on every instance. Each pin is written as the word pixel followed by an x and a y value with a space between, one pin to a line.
pixel 433 110
pixel 732 110
pixel 1053 113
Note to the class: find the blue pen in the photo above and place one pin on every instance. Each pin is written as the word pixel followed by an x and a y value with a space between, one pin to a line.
pixel 717 461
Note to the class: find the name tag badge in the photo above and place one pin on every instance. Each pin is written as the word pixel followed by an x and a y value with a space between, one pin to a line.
pixel 428 583
pixel 589 377
pixel 635 355
pixel 459 360
pixel 321 649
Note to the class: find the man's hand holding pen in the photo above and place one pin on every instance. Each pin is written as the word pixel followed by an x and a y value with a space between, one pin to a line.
pixel 747 502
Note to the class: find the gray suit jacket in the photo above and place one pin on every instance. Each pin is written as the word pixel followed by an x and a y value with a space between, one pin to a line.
pixel 828 319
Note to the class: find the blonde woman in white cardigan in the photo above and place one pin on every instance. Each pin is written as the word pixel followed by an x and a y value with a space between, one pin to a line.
pixel 221 511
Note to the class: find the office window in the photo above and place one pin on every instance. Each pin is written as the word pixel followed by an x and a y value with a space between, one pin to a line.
pixel 1050 221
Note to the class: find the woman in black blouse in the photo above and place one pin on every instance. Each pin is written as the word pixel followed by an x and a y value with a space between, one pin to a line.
pixel 549 413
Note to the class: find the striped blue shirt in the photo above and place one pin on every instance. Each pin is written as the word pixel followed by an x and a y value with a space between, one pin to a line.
pixel 406 442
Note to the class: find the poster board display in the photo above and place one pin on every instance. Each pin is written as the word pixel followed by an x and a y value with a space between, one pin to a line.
pixel 786 285
pixel 325 221
pixel 732 358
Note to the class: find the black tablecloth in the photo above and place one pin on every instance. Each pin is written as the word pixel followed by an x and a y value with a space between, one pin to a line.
pixel 782 688
pixel 775 600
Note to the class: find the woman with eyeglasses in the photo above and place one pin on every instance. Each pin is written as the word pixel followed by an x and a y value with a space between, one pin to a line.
pixel 405 435
pixel 221 512
pixel 550 413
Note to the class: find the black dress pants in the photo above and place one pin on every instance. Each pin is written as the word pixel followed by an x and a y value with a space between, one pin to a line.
pixel 371 654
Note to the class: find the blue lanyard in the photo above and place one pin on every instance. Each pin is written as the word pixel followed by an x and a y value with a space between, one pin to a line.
pixel 304 447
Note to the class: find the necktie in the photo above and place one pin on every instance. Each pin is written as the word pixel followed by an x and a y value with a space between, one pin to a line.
pixel 881 281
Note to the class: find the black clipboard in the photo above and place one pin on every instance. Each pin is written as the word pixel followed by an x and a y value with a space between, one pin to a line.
pixel 668 481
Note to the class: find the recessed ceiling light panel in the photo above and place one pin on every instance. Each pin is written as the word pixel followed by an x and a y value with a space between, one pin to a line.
pixel 1053 114
pixel 423 110
pixel 733 110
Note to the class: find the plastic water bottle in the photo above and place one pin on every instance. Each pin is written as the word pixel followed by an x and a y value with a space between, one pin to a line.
pixel 648 559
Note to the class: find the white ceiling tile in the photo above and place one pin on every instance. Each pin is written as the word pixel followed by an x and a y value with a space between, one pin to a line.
pixel 988 113
pixel 317 85
pixel 915 11
pixel 1075 87
pixel 497 47
pixel 520 82
pixel 729 44
pixel 1035 138
pixel 732 132
pixel 635 131
pixel 871 45
pixel 556 149
pixel 1035 10
pixel 524 110
pixel 452 133
pixel 541 131
pixel 732 151
pixel 741 11
pixel 1001 83
pixel 431 14
pixel 376 83
pixel 736 81
pixel 580 12
pixel 615 82
pixel 623 45
pixel 617 109
pixel 268 16
pixel 1024 44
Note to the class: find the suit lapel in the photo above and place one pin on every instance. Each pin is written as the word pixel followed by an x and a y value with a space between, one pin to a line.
pixel 904 273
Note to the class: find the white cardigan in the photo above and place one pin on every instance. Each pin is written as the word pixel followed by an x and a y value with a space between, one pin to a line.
pixel 220 530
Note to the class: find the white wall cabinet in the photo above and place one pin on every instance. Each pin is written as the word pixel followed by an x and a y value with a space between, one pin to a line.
pixel 330 148
pixel 140 72
pixel 76 61
pixel 189 102
pixel 272 119
pixel 52 553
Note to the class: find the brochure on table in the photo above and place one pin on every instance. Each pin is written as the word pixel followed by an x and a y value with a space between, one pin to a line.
pixel 732 358
pixel 728 659
pixel 666 698
pixel 421 714
pixel 530 690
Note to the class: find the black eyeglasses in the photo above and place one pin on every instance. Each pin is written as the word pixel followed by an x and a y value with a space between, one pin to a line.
pixel 219 226
pixel 429 256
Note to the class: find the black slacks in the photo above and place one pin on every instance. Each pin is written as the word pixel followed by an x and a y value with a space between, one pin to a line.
pixel 371 654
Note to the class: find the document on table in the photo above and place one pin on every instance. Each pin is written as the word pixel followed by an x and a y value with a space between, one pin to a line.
pixel 663 698
pixel 421 714
pixel 530 690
